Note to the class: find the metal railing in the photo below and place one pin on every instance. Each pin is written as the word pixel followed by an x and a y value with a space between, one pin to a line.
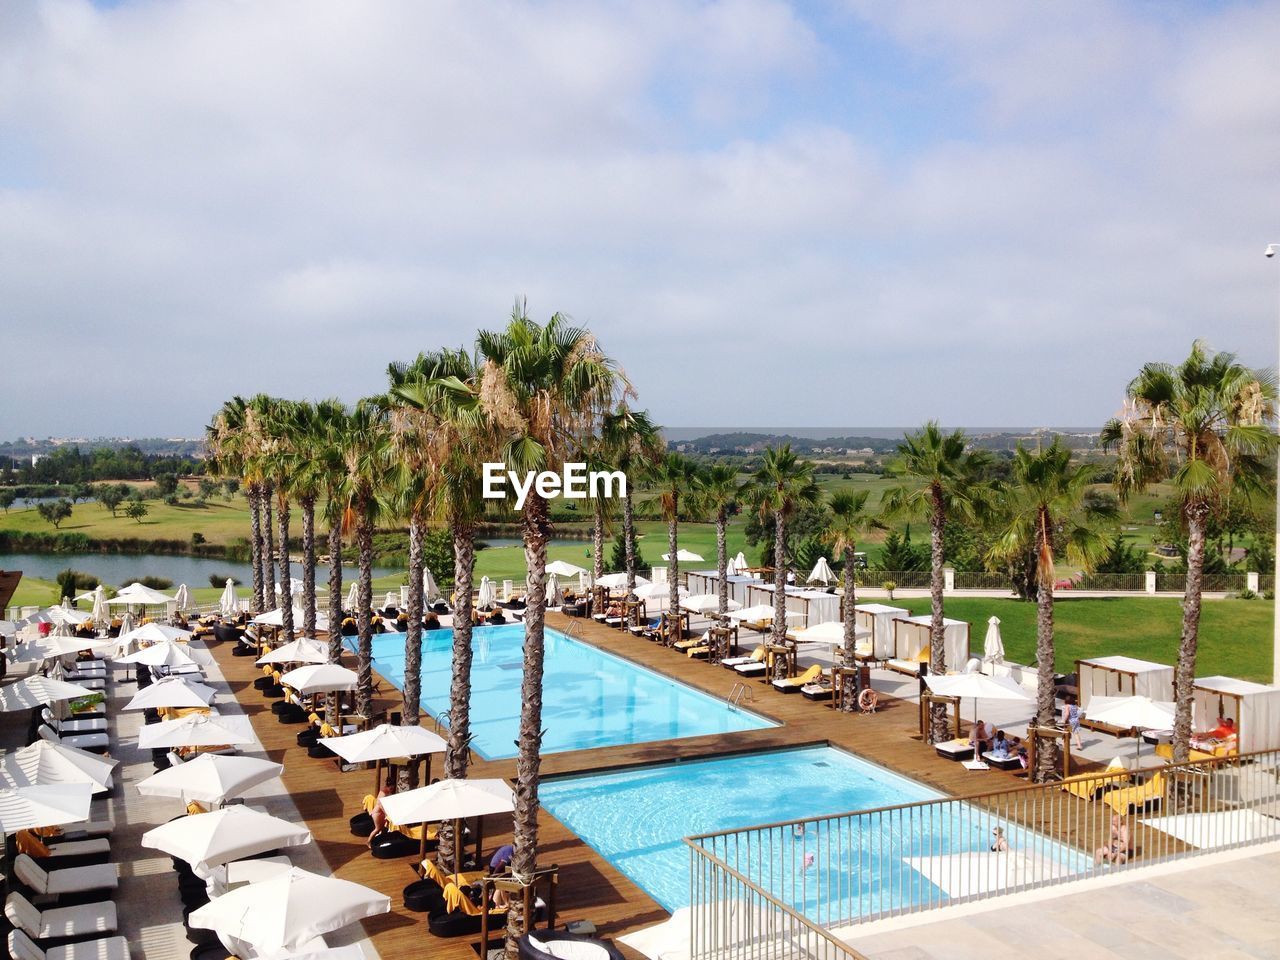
pixel 839 871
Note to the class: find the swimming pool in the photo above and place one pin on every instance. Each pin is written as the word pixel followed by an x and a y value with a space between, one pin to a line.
pixel 591 698
pixel 637 819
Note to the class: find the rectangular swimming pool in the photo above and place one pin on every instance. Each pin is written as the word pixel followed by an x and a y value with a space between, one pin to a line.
pixel 637 820
pixel 591 698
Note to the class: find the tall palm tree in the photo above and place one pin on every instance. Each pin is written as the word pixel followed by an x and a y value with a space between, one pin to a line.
pixel 257 437
pixel 674 477
pixel 847 521
pixel 227 442
pixel 1205 426
pixel 718 495
pixel 1049 512
pixel 634 444
pixel 781 486
pixel 546 389
pixel 327 455
pixel 272 421
pixel 307 462
pixel 940 479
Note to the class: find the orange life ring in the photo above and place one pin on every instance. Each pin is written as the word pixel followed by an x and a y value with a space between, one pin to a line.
pixel 867 701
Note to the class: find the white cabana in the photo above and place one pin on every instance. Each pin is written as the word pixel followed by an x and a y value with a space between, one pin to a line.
pixel 814 606
pixel 683 556
pixel 196 730
pixel 208 839
pixel 52 805
pixel 993 643
pixel 210 778
pixel 562 568
pixel 228 602
pixel 1120 677
pixel 878 618
pixel 320 678
pixel 302 650
pixel 1254 708
pixel 911 637
pixel 176 692
pixel 44 763
pixel 822 573
pixel 831 633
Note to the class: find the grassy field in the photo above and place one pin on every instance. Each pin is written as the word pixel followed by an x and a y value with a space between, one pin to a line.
pixel 218 521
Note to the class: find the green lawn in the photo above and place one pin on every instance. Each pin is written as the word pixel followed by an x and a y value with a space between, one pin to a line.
pixel 1235 635
pixel 219 521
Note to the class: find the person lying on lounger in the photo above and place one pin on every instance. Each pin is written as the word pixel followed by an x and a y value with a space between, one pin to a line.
pixel 1116 850
pixel 1224 734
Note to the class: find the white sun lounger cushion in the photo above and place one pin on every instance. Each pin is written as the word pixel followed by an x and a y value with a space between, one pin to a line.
pixel 86 741
pixel 79 848
pixel 92 828
pixel 78 726
pixel 108 948
pixel 98 876
pixel 569 949
pixel 750 668
pixel 80 920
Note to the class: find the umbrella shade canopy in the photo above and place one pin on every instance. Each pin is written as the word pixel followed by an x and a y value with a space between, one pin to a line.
pixel 65 615
pixel 449 800
pixel 1140 712
pixel 660 591
pixel 758 612
pixel 562 568
pixel 47 648
pixel 993 644
pixel 182 599
pixel 302 650
pixel 208 839
pixel 196 730
pixel 172 692
pixel 832 631
pixel 166 654
pixel 44 763
pixel 228 602
pixel 979 685
pixel 709 602
pixel 210 778
pixel 29 808
pixel 140 594
pixel 288 909
pixel 822 573
pixel 616 581
pixel 31 692
pixel 684 556
pixel 320 677
pixel 153 633
pixel 384 742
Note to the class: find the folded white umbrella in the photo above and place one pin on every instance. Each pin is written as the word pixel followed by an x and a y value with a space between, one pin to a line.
pixel 709 603
pixel 385 742
pixel 182 599
pixel 196 730
pixel 616 581
pixel 353 597
pixel 31 692
pixel 152 633
pixel 553 591
pixel 100 614
pixel 287 910
pixel 562 568
pixel 822 573
pixel 740 561
pixel 449 800
pixel 210 778
pixel 29 808
pixel 172 692
pixel 430 590
pixel 45 763
pixel 684 556
pixel 208 839
pixel 228 602
pixel 167 654
pixel 302 650
pixel 487 594
pixel 320 678
pixel 731 568
pixel 993 644
pixel 137 593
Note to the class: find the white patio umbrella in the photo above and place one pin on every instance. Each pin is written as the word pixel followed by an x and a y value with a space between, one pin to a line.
pixel 822 573
pixel 210 778
pixel 486 595
pixel 993 644
pixel 659 591
pixel 430 589
pixel 196 730
pixel 553 591
pixel 208 839
pixel 52 805
pixel 353 597
pixel 709 603
pixel 100 614
pixel 1138 712
pixel 616 581
pixel 228 602
pixel 285 911
pixel 449 800
pixel 167 654
pixel 50 647
pixel 979 686
pixel 562 568
pixel 65 615
pixel 320 678
pixel 44 763
pixel 740 561
pixel 385 742
pixel 172 692
pixel 30 692
pixel 684 556
pixel 152 633
pixel 302 650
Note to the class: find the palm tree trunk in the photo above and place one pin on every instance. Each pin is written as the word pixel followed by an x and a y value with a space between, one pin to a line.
pixel 597 540
pixel 778 629
pixel 286 585
pixel 269 550
pixel 410 706
pixel 364 611
pixel 937 648
pixel 1046 749
pixel 1185 673
pixel 309 566
pixel 673 565
pixel 254 495
pixel 850 703
pixel 629 540
pixel 457 754
pixel 335 589
pixel 722 562
pixel 524 861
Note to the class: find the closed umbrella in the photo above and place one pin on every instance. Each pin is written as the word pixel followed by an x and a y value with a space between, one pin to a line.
pixel 285 911
pixel 196 730
pixel 392 600
pixel 731 568
pixel 740 561
pixel 31 692
pixel 44 763
pixel 553 591
pixel 182 599
pixel 208 839
pixel 302 650
pixel 353 597
pixel 178 692
pixel 684 556
pixel 385 742
pixel 100 615
pixel 430 589
pixel 228 602
pixel 822 573
pixel 210 778
pixel 450 800
pixel 487 594
pixel 1138 713
pixel 320 677
pixel 52 805
pixel 126 622
pixel 993 644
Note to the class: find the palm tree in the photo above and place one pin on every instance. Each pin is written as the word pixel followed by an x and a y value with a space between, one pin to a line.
pixel 227 442
pixel 1204 425
pixel 781 486
pixel 271 420
pixel 257 436
pixel 306 428
pixel 546 389
pixel 326 452
pixel 1049 511
pixel 633 443
pixel 946 482
pixel 847 520
pixel 674 477
pixel 718 494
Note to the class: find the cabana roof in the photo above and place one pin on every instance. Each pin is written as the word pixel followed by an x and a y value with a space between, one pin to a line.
pixel 1126 664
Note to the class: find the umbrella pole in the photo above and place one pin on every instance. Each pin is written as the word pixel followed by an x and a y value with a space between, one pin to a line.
pixel 457 846
pixel 479 837
pixel 422 847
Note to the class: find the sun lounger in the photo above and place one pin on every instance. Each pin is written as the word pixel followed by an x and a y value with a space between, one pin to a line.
pixel 1005 762
pixel 79 831
pixel 755 668
pixel 955 749
pixel 93 742
pixel 60 923
pixel 817 691
pixel 1165 752
pixel 62 852
pixel 73 724
pixel 21 947
pixel 910 667
pixel 1090 786
pixel 796 683
pixel 98 876
pixel 1136 798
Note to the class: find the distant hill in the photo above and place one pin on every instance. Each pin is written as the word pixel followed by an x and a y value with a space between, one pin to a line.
pixel 25 447
pixel 812 443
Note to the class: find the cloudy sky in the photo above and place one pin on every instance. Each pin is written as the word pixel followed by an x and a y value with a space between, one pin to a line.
pixel 823 213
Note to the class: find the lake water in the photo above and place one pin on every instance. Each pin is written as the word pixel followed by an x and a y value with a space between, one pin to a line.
pixel 118 569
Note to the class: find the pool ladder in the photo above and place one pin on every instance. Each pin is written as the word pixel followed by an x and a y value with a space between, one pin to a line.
pixel 574 630
pixel 739 693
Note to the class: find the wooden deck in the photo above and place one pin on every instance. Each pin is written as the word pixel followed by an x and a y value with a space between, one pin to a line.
pixel 590 887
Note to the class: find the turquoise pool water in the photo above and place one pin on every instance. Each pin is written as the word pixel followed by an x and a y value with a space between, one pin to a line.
pixel 637 819
pixel 591 698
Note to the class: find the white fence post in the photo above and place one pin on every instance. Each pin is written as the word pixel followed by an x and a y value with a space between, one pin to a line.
pixel 1251 581
pixel 948 579
pixel 1151 581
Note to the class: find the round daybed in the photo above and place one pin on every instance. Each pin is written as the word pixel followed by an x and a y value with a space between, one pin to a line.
pixel 561 945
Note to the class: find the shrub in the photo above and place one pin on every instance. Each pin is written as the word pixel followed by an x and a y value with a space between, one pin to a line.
pixel 155 583
pixel 70 582
pixel 220 580
pixel 197 538
pixel 889 586
pixel 1246 594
